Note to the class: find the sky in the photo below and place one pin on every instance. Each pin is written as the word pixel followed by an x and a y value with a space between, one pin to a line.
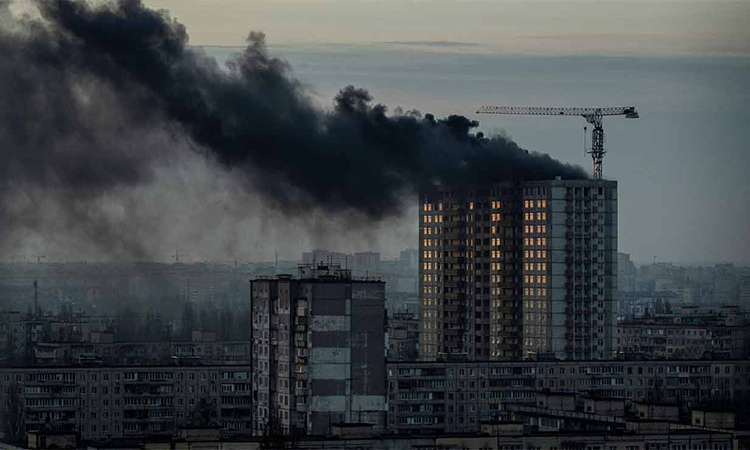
pixel 682 168
pixel 537 26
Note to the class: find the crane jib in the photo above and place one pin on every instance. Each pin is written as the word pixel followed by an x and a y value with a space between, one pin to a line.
pixel 592 115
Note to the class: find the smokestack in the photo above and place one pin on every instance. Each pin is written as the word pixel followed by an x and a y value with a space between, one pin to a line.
pixel 107 90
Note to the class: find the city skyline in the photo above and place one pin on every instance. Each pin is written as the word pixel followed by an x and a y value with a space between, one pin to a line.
pixel 295 224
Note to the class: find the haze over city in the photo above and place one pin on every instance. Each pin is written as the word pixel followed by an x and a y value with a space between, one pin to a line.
pixel 425 224
pixel 450 58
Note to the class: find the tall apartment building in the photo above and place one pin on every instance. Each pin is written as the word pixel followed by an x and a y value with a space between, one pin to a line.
pixel 518 270
pixel 318 351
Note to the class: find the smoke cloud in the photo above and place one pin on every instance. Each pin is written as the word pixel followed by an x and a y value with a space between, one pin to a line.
pixel 100 104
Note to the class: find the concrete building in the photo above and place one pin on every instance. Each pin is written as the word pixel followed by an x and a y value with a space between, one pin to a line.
pixel 128 401
pixel 499 435
pixel 410 259
pixel 505 435
pixel 403 337
pixel 512 271
pixel 726 287
pixel 366 265
pixel 744 293
pixel 627 274
pixel 451 397
pixel 317 350
pixel 689 334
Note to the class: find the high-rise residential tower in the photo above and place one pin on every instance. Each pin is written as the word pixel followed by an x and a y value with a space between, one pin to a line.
pixel 519 270
pixel 317 351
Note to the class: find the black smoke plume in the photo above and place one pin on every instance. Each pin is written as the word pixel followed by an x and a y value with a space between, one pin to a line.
pixel 93 98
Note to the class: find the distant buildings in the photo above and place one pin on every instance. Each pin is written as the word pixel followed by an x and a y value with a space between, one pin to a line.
pixel 627 274
pixel 49 340
pixel 100 287
pixel 366 265
pixel 399 274
pixel 403 337
pixel 318 352
pixel 327 258
pixel 713 286
pixel 514 271
pixel 410 259
pixel 744 292
pixel 688 333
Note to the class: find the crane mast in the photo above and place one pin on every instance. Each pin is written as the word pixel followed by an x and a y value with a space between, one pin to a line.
pixel 593 116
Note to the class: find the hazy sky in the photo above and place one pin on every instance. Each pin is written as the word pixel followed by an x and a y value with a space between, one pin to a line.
pixel 561 26
pixel 682 168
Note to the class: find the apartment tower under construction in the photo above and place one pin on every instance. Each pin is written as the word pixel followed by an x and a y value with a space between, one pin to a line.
pixel 519 270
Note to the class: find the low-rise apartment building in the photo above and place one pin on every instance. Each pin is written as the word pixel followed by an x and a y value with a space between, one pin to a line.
pixel 128 401
pixel 691 334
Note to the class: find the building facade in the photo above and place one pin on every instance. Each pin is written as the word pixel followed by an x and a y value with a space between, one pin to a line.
pixel 689 334
pixel 449 397
pixel 128 401
pixel 318 351
pixel 403 337
pixel 513 271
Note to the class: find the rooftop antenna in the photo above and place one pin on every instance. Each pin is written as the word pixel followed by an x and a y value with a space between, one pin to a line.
pixel 177 255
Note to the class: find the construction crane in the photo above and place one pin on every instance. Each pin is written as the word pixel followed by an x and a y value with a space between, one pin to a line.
pixel 593 116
